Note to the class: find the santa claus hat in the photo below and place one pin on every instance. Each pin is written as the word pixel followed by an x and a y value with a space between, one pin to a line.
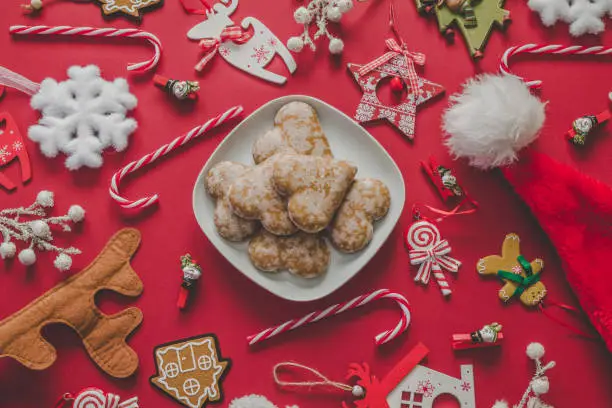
pixel 489 123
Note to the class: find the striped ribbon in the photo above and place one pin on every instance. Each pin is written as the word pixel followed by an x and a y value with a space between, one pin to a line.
pixel 211 45
pixel 395 50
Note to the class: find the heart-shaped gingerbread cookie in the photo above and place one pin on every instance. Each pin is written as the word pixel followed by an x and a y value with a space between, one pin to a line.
pixel 315 187
pixel 367 201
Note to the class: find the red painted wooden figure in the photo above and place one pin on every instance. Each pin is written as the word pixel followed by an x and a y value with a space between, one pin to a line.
pixel 489 336
pixel 181 90
pixel 446 183
pixel 12 147
pixel 191 273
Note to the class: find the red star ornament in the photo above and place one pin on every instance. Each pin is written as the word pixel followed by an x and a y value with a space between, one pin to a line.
pixel 402 115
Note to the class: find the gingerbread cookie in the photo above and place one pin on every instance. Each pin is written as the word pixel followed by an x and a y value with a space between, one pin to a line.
pixel 522 278
pixel 253 196
pixel 367 201
pixel 218 182
pixel 129 8
pixel 296 126
pixel 302 254
pixel 315 187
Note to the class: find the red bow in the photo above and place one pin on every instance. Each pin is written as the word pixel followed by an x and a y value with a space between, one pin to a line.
pixel 211 45
pixel 395 50
pixel 433 258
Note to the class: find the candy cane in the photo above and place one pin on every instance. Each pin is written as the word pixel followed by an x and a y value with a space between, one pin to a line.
pixel 98 32
pixel 162 151
pixel 553 49
pixel 359 301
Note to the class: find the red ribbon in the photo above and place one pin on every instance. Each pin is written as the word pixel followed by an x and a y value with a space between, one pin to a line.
pixel 211 45
pixel 203 11
pixel 394 50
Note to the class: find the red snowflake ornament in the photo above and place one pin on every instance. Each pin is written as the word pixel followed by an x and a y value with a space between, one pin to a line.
pixel 402 115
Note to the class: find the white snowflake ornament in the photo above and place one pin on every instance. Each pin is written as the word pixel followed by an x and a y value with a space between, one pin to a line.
pixel 82 116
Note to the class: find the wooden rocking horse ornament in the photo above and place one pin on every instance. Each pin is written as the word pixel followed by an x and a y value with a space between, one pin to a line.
pixel 12 147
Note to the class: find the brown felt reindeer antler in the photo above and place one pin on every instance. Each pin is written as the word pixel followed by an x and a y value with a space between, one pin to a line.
pixel 72 303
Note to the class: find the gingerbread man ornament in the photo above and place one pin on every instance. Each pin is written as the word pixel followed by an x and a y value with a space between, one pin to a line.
pixel 522 278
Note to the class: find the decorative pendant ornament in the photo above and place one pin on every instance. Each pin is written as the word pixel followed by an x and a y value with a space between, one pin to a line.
pixel 190 370
pixel 319 13
pixel 585 125
pixel 428 250
pixel 36 231
pixel 490 335
pixel 149 158
pixel 249 47
pixel 12 147
pixel 408 384
pixel 110 8
pixel 333 310
pixel 443 179
pixel 107 32
pixel 179 90
pixel 96 398
pixel 399 63
pixel 583 16
pixel 539 384
pixel 191 273
pixel 475 19
pixel 81 116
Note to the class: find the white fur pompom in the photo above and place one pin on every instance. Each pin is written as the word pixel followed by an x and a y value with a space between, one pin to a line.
pixel 345 5
pixel 251 401
pixel 540 385
pixel 535 351
pixel 45 199
pixel 7 250
pixel 63 262
pixel 491 120
pixel 40 229
pixel 500 404
pixel 334 14
pixel 295 44
pixel 27 257
pixel 302 15
pixel 76 213
pixel 336 46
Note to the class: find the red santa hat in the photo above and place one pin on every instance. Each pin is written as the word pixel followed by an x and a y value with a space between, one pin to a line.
pixel 489 123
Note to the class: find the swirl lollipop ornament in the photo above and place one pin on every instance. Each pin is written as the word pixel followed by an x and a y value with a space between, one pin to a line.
pixel 430 252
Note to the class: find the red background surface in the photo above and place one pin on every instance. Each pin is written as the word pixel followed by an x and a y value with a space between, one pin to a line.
pixel 230 305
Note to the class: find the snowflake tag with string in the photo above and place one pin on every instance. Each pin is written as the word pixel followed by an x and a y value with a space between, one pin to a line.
pixel 81 116
pixel 399 64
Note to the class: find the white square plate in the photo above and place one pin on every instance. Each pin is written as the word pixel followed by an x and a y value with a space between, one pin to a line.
pixel 348 141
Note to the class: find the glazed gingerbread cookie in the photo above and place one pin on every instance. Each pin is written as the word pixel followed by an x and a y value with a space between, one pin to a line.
pixel 217 182
pixel 296 126
pixel 522 278
pixel 367 201
pixel 304 255
pixel 253 196
pixel 315 187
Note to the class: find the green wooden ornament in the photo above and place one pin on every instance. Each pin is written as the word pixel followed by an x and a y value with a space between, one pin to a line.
pixel 475 19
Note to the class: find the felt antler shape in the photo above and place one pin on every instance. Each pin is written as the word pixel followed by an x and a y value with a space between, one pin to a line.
pixel 71 303
pixel 522 277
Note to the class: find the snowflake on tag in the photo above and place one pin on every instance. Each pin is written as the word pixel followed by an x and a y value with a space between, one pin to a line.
pixel 82 116
pixel 4 154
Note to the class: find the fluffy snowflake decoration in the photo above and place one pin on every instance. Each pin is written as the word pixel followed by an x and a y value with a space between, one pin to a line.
pixel 35 230
pixel 319 12
pixel 253 401
pixel 583 16
pixel 82 116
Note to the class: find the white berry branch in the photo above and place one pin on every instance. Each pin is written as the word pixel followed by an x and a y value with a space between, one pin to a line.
pixel 35 230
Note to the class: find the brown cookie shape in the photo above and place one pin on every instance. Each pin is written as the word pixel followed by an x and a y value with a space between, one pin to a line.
pixel 367 201
pixel 522 278
pixel 296 126
pixel 218 182
pixel 253 196
pixel 129 8
pixel 315 187
pixel 302 254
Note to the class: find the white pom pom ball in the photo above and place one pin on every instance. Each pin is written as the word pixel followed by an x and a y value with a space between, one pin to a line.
pixel 333 14
pixel 251 401
pixel 492 120
pixel 76 213
pixel 344 5
pixel 295 44
pixel 45 199
pixel 540 385
pixel 336 46
pixel 40 229
pixel 36 4
pixel 358 391
pixel 302 15
pixel 7 250
pixel 500 404
pixel 63 262
pixel 27 257
pixel 535 351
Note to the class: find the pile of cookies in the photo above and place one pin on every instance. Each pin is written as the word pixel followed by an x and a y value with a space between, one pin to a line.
pixel 295 198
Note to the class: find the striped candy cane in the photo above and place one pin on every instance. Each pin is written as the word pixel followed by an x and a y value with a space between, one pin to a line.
pixel 98 32
pixel 552 49
pixel 162 151
pixel 359 301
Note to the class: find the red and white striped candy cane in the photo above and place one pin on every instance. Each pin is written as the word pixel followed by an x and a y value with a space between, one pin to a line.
pixel 139 67
pixel 359 301
pixel 162 151
pixel 550 49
